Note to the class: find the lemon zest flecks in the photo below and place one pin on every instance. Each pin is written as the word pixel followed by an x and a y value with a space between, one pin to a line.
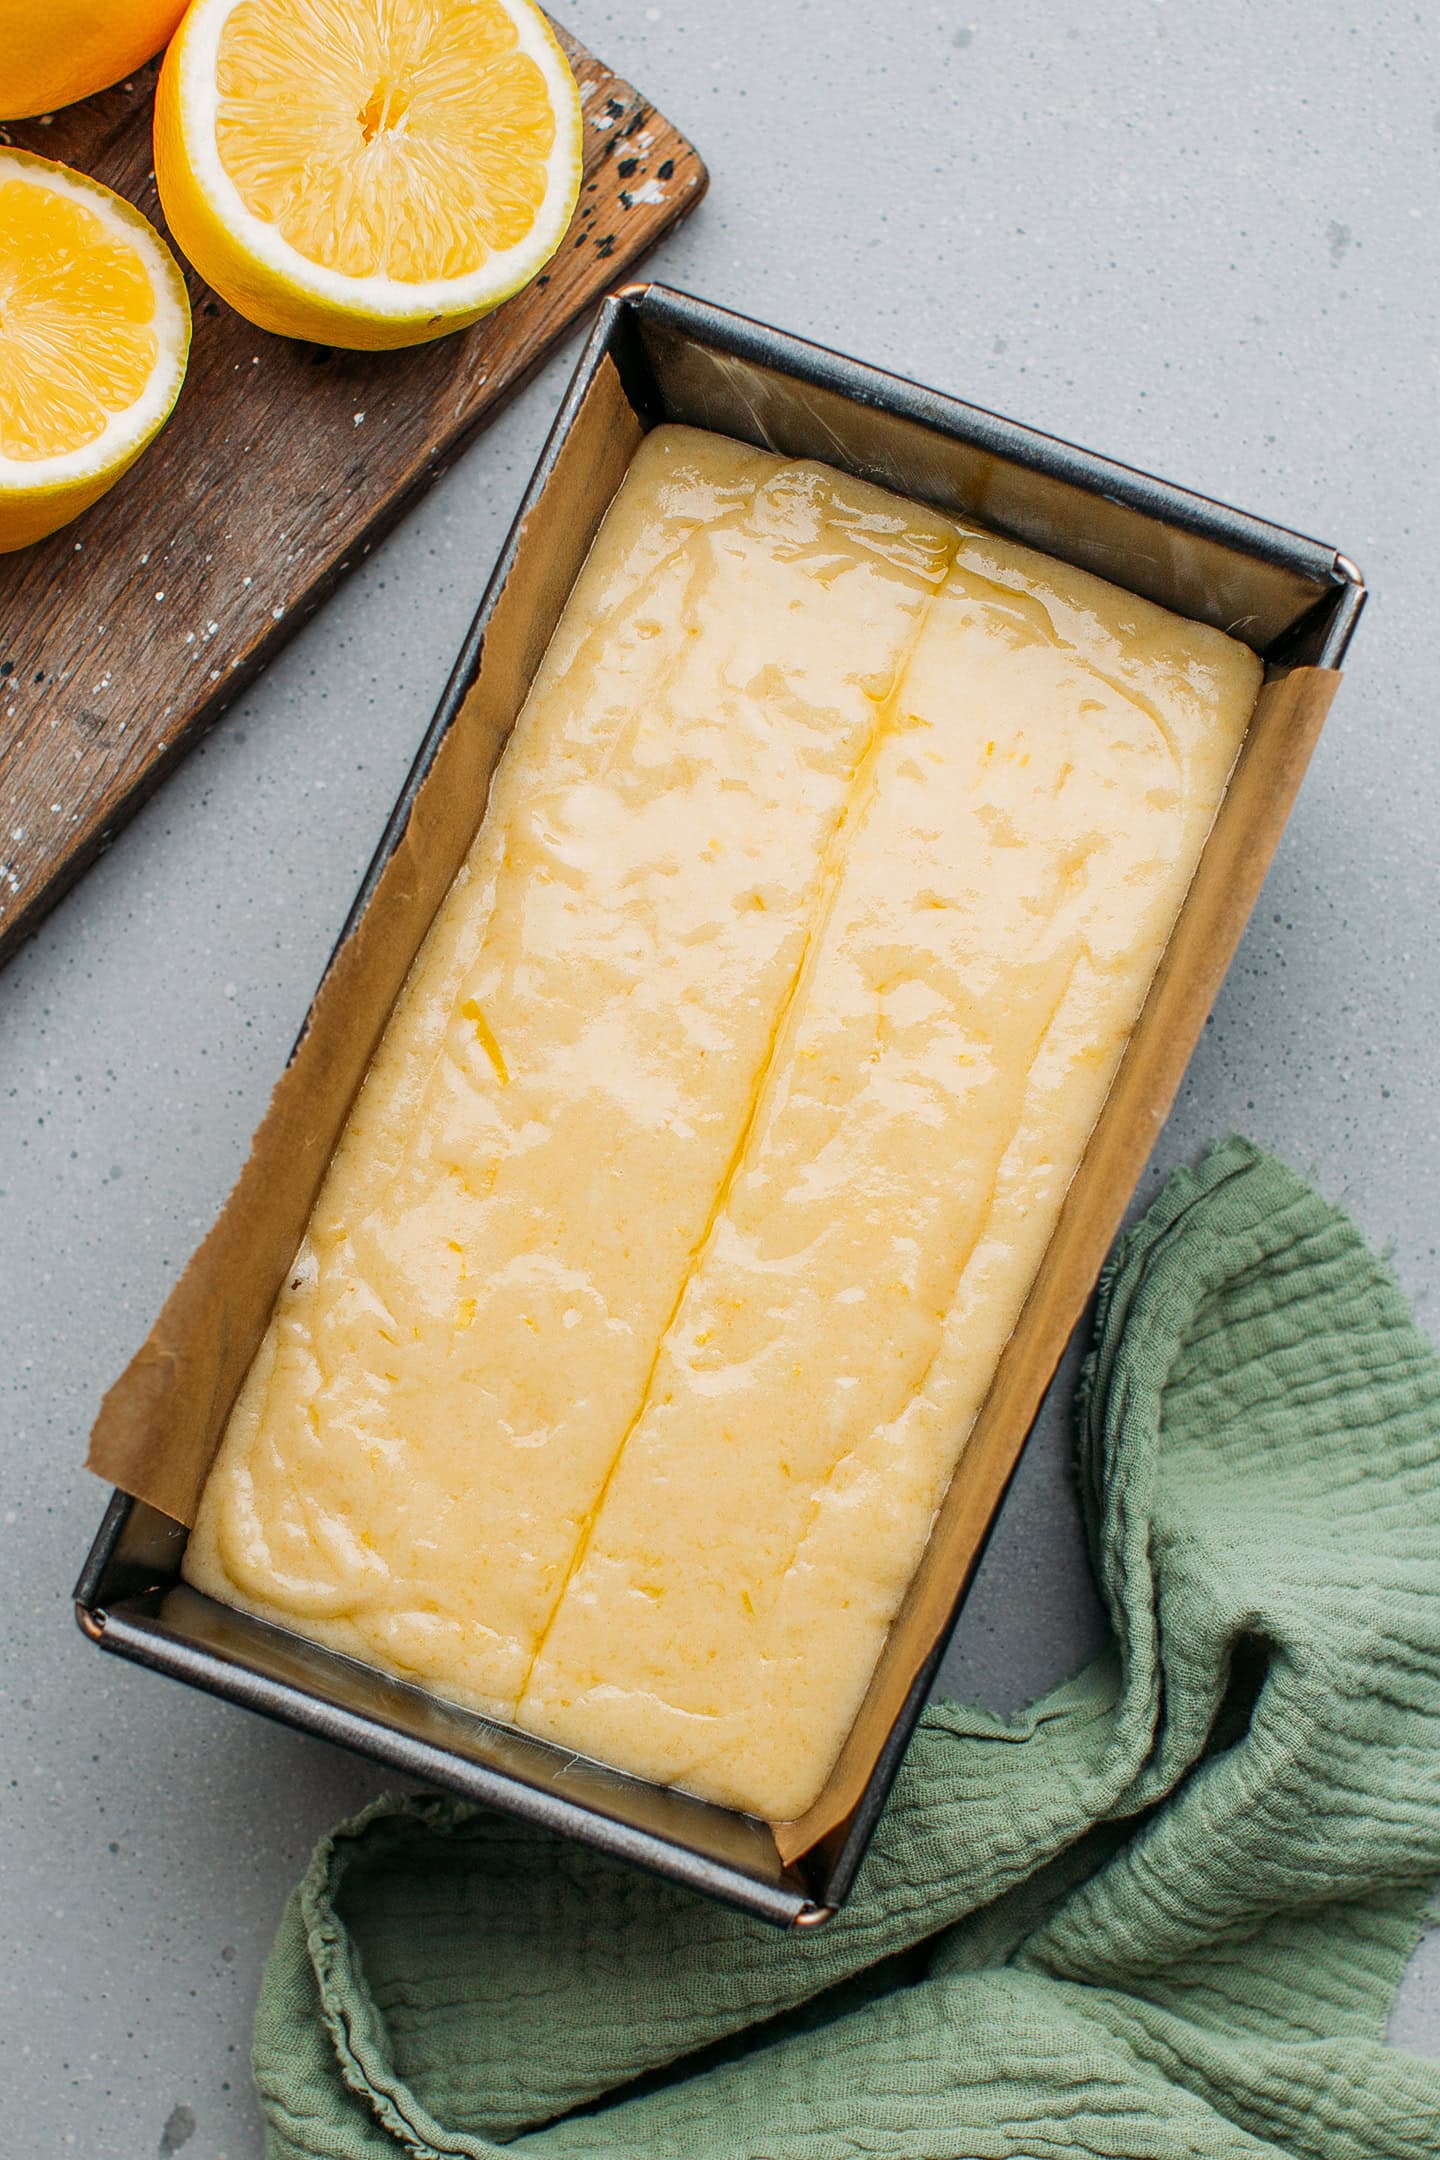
pixel 485 1036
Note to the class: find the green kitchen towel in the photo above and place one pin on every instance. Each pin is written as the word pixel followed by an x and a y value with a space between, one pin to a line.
pixel 1161 1914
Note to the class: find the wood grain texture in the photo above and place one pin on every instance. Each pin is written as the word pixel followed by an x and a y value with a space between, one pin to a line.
pixel 124 636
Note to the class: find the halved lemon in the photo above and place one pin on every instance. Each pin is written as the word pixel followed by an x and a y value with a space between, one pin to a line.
pixel 94 335
pixel 55 52
pixel 367 172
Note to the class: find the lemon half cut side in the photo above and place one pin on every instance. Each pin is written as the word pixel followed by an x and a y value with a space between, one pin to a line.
pixel 94 337
pixel 367 173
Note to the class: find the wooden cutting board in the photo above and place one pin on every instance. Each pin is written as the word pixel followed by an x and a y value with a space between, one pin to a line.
pixel 125 636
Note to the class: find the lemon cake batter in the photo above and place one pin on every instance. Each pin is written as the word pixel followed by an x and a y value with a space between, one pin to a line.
pixel 713 1146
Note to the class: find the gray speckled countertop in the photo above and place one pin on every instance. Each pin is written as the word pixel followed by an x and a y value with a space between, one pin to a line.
pixel 1204 239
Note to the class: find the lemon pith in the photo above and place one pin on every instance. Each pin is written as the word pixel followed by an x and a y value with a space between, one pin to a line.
pixel 94 335
pixel 367 172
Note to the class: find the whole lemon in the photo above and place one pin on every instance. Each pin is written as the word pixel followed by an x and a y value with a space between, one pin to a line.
pixel 55 51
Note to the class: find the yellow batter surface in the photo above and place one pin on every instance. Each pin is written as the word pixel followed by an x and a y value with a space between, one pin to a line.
pixel 713 1146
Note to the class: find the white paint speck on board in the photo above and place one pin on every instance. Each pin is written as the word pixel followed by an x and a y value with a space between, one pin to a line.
pixel 648 191
pixel 358 418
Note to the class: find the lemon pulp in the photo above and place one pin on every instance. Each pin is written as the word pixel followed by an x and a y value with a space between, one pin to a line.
pixel 78 335
pixel 399 141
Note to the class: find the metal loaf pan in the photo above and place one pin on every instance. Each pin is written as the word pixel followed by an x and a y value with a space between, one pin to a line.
pixel 657 355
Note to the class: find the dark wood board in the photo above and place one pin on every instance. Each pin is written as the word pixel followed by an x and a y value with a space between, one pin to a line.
pixel 124 636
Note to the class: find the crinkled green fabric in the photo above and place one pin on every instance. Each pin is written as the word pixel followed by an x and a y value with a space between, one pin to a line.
pixel 1162 1914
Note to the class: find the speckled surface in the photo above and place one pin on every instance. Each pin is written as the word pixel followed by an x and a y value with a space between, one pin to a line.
pixel 1204 240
